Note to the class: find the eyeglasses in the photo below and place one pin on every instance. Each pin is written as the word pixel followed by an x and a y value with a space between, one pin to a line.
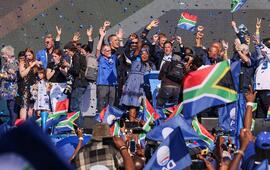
pixel 134 42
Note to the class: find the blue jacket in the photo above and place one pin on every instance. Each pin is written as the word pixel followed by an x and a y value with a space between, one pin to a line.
pixel 43 56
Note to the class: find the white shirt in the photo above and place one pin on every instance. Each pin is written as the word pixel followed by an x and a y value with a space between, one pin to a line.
pixel 262 74
pixel 165 58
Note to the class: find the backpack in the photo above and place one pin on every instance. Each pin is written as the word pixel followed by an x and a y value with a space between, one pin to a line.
pixel 175 71
pixel 92 68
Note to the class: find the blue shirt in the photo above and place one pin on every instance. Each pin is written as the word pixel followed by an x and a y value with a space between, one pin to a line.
pixel 107 73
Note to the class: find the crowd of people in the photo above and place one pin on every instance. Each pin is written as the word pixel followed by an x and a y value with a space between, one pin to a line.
pixel 36 81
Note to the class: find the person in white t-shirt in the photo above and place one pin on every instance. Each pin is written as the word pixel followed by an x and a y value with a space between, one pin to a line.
pixel 262 77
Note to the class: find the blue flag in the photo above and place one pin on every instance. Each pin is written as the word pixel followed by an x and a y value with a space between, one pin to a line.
pixel 237 4
pixel 109 114
pixel 263 165
pixel 27 147
pixel 66 144
pixel 227 113
pixel 171 154
pixel 240 115
pixel 159 133
pixel 227 117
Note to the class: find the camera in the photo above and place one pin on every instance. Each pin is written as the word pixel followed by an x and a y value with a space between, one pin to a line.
pixel 68 89
pixel 133 127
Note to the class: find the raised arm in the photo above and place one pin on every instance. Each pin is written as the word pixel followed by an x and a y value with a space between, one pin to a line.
pixel 102 33
pixel 58 35
pixel 225 46
pixel 258 27
pixel 76 37
pixel 121 146
pixel 250 97
pixel 152 24
pixel 79 145
pixel 245 138
pixel 120 35
pixel 234 26
pixel 243 56
pixel 90 43
pixel 199 36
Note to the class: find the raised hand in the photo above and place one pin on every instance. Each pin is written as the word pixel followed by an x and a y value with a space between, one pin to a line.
pixel 258 23
pixel 120 33
pixel 118 142
pixel 199 35
pixel 154 23
pixel 245 137
pixel 102 31
pixel 237 44
pixel 233 24
pixel 79 132
pixel 89 32
pixel 58 30
pixel 106 24
pixel 178 40
pixel 76 37
pixel 225 45
pixel 200 28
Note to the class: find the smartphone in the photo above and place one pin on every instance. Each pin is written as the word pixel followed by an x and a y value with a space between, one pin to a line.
pixel 132 146
pixel 107 141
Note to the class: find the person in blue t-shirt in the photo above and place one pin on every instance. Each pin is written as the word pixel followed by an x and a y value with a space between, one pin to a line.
pixel 106 78
pixel 107 73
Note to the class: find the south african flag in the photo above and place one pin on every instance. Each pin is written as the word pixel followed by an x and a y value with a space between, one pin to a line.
pixel 202 132
pixel 208 87
pixel 187 21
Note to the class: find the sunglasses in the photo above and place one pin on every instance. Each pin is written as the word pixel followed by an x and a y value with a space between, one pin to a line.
pixel 134 42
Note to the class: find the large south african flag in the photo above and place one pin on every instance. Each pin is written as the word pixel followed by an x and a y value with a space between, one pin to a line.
pixel 208 87
pixel 237 4
pixel 187 21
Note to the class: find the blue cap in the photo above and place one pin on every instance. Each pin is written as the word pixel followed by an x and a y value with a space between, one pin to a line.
pixel 263 140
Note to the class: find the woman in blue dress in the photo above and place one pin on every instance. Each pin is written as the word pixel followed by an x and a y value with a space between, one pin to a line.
pixel 133 90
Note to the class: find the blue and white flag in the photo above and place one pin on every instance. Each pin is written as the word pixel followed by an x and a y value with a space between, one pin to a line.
pixel 237 4
pixel 263 165
pixel 161 132
pixel 171 154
